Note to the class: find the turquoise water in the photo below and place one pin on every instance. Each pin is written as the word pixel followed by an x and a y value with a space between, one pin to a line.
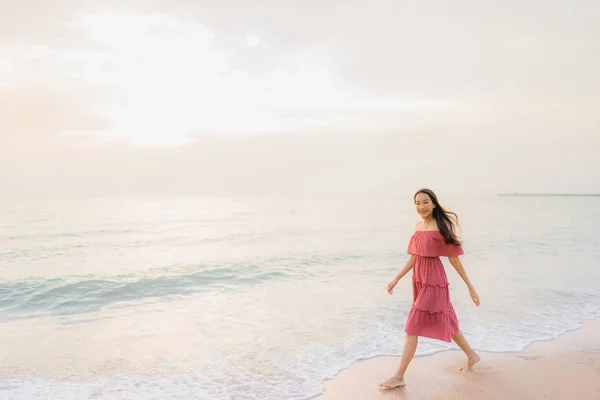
pixel 263 298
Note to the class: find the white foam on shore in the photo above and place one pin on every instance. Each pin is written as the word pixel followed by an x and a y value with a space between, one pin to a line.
pixel 298 379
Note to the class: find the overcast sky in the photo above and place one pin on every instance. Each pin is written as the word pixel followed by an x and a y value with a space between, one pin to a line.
pixel 279 96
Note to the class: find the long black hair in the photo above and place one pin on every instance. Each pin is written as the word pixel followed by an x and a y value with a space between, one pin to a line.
pixel 443 218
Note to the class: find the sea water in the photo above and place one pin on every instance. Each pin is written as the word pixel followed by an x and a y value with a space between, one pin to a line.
pixel 264 298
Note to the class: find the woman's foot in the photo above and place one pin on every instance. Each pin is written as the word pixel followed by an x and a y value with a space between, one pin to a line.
pixel 471 361
pixel 392 383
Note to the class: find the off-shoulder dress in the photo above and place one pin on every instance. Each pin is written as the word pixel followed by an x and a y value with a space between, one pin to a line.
pixel 431 314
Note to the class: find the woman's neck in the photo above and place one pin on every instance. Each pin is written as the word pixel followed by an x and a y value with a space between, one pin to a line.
pixel 429 220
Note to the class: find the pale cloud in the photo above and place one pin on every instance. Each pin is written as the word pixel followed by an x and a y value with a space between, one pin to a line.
pixel 174 78
pixel 30 20
pixel 460 48
pixel 322 95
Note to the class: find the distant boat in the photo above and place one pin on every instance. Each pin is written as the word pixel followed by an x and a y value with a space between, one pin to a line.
pixel 515 194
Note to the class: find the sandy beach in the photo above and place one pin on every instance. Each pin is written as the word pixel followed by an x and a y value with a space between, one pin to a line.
pixel 564 368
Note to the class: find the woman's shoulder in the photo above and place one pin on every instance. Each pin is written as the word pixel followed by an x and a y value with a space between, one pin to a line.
pixel 424 233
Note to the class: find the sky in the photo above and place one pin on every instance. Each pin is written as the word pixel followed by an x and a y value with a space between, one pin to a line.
pixel 223 97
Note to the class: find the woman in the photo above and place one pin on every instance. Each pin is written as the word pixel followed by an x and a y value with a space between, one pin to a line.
pixel 432 314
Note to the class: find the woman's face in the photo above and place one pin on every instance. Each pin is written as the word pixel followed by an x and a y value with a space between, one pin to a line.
pixel 424 205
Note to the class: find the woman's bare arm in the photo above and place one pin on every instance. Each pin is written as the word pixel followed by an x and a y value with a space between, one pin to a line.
pixel 409 265
pixel 457 264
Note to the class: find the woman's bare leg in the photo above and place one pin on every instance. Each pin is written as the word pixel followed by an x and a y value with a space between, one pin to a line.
pixel 410 347
pixel 472 357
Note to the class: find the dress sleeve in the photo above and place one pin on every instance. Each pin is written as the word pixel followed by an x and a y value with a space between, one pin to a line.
pixel 451 250
pixel 412 247
pixel 432 245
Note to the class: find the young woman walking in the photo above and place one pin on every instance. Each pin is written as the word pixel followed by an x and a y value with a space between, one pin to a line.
pixel 432 314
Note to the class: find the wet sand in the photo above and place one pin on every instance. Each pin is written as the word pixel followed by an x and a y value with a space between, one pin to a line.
pixel 559 369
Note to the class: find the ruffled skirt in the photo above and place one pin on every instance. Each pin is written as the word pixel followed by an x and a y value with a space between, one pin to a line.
pixel 431 314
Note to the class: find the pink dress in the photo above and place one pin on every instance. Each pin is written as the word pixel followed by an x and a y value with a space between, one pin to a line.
pixel 431 314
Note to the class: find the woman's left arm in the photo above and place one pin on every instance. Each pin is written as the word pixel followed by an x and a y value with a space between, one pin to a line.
pixel 457 264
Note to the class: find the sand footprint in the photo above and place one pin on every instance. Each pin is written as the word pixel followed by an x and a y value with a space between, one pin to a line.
pixel 532 358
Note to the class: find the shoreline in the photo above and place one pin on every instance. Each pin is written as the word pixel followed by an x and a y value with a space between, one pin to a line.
pixel 555 368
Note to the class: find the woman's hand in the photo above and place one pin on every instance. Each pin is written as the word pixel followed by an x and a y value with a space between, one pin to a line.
pixel 474 296
pixel 391 286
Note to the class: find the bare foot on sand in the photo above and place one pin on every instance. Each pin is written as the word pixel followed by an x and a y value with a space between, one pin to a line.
pixel 471 361
pixel 392 383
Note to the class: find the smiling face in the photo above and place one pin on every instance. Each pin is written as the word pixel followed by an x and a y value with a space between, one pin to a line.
pixel 424 205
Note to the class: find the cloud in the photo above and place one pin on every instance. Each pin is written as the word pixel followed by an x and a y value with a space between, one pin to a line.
pixel 462 96
pixel 34 112
pixel 43 93
pixel 424 49
pixel 41 23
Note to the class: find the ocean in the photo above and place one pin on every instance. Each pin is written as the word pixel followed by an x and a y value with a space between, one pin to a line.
pixel 265 298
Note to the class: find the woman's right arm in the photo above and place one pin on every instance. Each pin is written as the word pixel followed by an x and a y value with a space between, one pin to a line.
pixel 409 265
